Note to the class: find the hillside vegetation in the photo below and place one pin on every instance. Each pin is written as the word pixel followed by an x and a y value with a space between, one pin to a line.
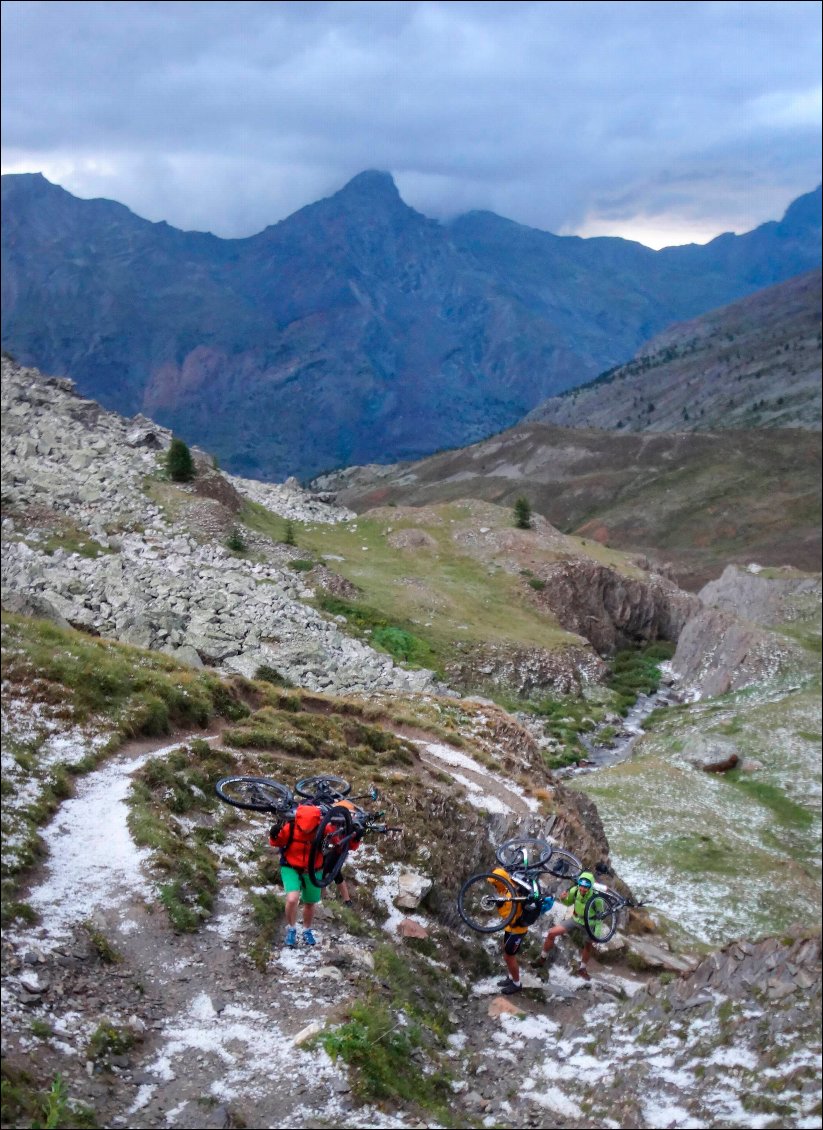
pixel 158 635
pixel 755 364
pixel 696 501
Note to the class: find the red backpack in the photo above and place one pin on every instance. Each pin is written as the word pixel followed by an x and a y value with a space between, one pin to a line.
pixel 296 850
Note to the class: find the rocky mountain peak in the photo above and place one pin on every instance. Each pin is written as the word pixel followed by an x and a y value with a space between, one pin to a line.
pixel 376 184
pixel 803 215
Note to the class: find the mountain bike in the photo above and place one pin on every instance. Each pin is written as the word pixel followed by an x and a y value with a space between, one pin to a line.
pixel 264 795
pixel 342 821
pixel 256 793
pixel 488 902
pixel 336 834
pixel 603 912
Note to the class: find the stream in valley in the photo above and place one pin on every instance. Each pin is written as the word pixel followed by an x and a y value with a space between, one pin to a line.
pixel 600 755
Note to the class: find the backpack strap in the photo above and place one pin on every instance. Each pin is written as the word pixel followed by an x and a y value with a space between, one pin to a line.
pixel 285 848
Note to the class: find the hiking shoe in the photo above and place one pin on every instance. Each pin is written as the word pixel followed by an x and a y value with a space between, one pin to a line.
pixel 509 987
pixel 583 972
pixel 506 981
pixel 291 936
pixel 309 938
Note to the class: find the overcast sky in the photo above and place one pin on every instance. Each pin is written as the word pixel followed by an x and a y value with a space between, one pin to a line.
pixel 664 122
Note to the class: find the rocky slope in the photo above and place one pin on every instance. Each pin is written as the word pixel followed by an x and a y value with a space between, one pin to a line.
pixel 84 541
pixel 756 363
pixel 117 1012
pixel 97 537
pixel 356 324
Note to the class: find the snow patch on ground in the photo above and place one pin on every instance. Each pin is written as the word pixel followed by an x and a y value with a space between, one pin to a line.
pixel 475 793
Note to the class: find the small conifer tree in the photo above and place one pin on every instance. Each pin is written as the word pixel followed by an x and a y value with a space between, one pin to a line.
pixel 522 514
pixel 236 542
pixel 179 462
pixel 289 538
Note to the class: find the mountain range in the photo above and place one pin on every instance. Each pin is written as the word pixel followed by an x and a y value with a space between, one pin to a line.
pixel 356 330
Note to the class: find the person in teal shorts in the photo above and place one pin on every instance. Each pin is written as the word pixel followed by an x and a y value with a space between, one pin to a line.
pixel 294 838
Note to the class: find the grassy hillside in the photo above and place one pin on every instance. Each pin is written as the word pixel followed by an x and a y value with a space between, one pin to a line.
pixel 454 576
pixel 718 853
pixel 754 364
pixel 699 500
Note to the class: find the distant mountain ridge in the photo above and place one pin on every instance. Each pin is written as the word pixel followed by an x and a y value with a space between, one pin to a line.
pixel 356 330
pixel 756 363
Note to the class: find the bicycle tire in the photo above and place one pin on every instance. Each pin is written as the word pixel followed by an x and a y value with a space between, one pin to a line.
pixel 256 793
pixel 563 865
pixel 342 823
pixel 600 917
pixel 323 787
pixel 525 851
pixel 483 907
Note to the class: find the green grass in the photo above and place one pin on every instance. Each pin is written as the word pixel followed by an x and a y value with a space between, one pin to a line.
pixel 752 835
pixel 108 1040
pixel 378 1047
pixel 438 596
pixel 165 788
pixel 379 1044
pixel 141 692
pixel 402 644
pixel 566 717
pixel 27 1100
pixel 784 810
pixel 100 692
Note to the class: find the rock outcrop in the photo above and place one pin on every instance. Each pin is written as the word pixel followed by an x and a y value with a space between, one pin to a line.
pixel 612 611
pixel 527 670
pixel 725 645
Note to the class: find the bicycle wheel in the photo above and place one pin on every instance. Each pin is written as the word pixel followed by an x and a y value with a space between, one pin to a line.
pixel 600 917
pixel 563 865
pixel 257 793
pixel 486 902
pixel 523 852
pixel 331 843
pixel 323 788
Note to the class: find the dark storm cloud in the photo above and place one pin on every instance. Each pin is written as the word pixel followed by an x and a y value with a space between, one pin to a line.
pixel 693 117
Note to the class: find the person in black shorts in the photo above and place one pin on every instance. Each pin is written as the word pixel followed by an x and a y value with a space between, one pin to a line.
pixel 515 932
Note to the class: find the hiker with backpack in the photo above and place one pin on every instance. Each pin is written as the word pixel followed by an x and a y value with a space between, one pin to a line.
pixel 576 897
pixel 334 845
pixel 295 838
pixel 515 932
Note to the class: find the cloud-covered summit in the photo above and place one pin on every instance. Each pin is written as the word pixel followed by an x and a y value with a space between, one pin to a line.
pixel 659 122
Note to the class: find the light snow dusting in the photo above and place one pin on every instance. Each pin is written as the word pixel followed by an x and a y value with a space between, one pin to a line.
pixel 93 863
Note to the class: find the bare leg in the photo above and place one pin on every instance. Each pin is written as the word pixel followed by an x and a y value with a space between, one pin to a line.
pixel 552 936
pixel 292 899
pixel 308 914
pixel 343 888
pixel 513 967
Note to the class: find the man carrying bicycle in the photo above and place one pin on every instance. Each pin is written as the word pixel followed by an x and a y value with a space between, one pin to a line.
pixel 525 915
pixel 295 839
pixel 334 850
pixel 577 896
